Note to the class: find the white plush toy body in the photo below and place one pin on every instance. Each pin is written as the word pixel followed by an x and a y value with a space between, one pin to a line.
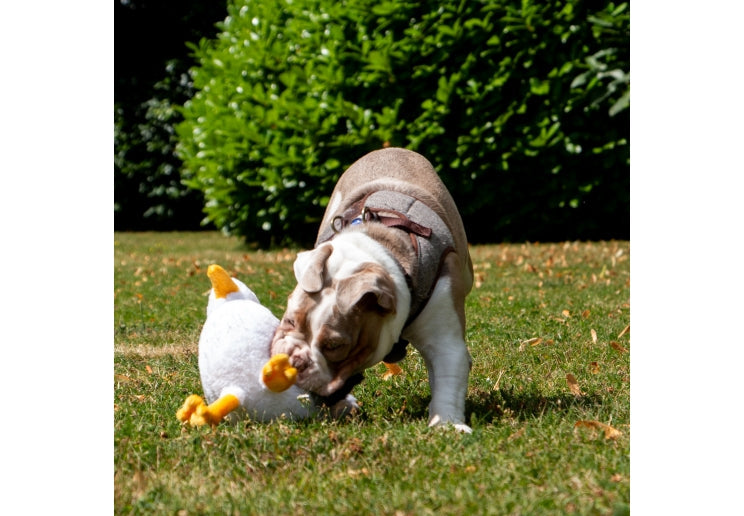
pixel 233 348
pixel 235 363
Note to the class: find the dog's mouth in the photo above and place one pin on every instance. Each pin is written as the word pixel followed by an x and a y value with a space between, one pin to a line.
pixel 320 380
pixel 327 382
pixel 329 391
pixel 338 389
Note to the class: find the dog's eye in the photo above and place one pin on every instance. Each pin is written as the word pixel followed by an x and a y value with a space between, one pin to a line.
pixel 335 350
pixel 289 322
pixel 332 345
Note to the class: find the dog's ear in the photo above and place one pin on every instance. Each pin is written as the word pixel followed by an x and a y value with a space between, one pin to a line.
pixel 309 268
pixel 370 286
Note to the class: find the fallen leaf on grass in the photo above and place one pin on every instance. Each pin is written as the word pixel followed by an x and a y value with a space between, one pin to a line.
pixel 625 330
pixel 585 314
pixel 148 369
pixel 566 313
pixel 609 432
pixel 594 367
pixel 516 435
pixel 391 370
pixel 402 408
pixel 534 341
pixel 594 335
pixel 573 385
pixel 139 484
pixel 618 347
pixel 354 446
pixel 355 473
pixel 122 378
pixel 498 380
pixel 479 279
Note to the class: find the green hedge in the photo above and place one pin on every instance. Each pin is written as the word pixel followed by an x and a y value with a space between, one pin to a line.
pixel 151 81
pixel 148 191
pixel 523 108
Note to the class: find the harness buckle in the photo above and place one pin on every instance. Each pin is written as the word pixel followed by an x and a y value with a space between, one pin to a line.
pixel 339 222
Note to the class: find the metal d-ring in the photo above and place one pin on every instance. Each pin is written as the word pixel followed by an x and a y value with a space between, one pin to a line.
pixel 337 222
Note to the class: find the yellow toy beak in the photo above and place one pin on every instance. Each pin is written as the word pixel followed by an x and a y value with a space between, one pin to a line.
pixel 222 283
pixel 277 374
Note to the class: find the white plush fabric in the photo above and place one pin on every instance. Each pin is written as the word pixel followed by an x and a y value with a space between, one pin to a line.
pixel 233 348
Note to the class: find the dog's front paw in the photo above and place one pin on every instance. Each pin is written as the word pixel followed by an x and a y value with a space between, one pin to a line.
pixel 346 407
pixel 438 421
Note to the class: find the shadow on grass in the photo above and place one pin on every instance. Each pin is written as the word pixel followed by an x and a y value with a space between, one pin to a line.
pixel 484 406
pixel 494 406
pixel 490 406
pixel 481 407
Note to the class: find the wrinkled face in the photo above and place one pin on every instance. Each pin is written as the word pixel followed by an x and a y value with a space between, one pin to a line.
pixel 332 326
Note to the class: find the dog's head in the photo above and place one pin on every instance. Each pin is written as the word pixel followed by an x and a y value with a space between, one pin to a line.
pixel 334 325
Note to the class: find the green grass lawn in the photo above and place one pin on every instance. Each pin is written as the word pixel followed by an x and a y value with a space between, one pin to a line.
pixel 548 330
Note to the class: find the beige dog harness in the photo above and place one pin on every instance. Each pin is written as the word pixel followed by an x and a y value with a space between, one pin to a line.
pixel 431 239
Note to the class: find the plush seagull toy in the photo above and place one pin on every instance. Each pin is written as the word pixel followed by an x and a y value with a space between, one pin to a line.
pixel 238 375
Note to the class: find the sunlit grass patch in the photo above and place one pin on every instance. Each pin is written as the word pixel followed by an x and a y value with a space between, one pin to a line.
pixel 548 330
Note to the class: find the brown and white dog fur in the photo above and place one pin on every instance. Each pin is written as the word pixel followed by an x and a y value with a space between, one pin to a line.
pixel 352 302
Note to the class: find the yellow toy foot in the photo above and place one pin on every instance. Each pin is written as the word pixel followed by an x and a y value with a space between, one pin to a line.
pixel 197 413
pixel 189 407
pixel 277 374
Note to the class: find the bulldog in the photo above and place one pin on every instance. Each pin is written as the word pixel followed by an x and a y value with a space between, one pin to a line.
pixel 390 266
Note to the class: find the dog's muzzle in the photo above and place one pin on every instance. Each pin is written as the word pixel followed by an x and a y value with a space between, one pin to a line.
pixel 340 393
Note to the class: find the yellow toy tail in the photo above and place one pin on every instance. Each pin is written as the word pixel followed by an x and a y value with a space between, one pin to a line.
pixel 222 283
